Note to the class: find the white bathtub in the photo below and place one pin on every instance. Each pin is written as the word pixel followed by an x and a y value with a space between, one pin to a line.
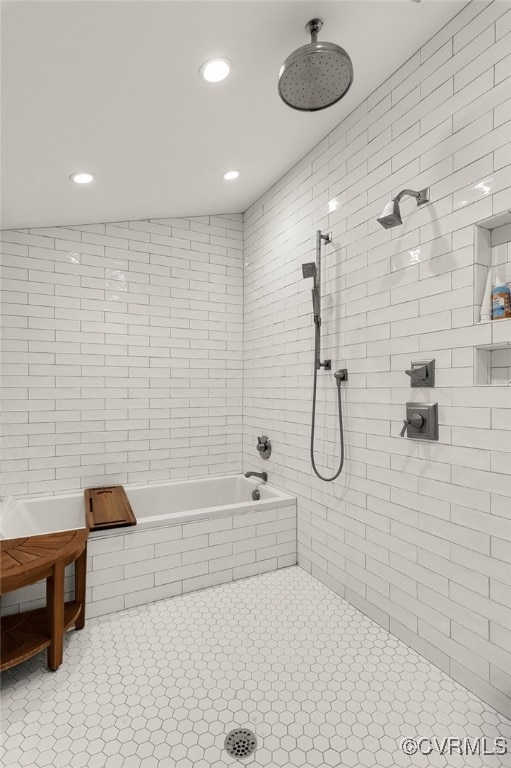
pixel 153 505
pixel 189 535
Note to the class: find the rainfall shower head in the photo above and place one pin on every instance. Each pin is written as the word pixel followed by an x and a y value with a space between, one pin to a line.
pixel 316 75
pixel 391 215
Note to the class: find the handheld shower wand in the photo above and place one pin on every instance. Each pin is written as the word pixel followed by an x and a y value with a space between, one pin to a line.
pixel 310 270
pixel 313 270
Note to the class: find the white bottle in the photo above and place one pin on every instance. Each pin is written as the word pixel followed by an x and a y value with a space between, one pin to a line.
pixel 487 304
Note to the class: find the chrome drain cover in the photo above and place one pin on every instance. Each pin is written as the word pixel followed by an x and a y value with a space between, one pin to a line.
pixel 240 742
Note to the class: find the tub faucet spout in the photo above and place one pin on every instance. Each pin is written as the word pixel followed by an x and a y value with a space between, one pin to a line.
pixel 261 475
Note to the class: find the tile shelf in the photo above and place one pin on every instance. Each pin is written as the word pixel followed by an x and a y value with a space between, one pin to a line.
pixel 492 342
pixel 500 334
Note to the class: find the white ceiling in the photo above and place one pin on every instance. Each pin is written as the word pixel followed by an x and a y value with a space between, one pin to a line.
pixel 113 87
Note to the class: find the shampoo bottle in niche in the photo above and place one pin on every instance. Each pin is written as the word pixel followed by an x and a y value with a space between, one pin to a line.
pixel 501 300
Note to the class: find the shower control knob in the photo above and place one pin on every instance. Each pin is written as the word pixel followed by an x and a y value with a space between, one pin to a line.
pixel 264 447
pixel 416 420
pixel 405 427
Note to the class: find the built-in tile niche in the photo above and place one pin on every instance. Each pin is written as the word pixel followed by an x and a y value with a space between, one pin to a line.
pixel 493 251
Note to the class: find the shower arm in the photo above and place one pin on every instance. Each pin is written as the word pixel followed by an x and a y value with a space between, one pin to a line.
pixel 421 197
pixel 313 27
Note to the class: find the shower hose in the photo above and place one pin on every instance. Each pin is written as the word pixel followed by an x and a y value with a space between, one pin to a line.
pixel 313 424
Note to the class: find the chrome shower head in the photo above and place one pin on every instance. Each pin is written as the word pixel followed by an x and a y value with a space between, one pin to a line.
pixel 391 215
pixel 316 75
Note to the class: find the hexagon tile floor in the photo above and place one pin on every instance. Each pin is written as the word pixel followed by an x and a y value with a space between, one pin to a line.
pixel 161 685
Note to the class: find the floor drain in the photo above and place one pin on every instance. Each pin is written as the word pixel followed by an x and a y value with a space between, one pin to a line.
pixel 240 742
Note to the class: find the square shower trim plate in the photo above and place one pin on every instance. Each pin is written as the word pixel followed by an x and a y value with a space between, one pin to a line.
pixel 429 429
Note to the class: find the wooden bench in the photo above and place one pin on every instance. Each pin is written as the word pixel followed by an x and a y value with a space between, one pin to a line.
pixel 25 561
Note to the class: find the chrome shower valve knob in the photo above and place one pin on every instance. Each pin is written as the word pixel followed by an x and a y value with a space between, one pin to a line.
pixel 264 447
pixel 416 420
pixel 421 422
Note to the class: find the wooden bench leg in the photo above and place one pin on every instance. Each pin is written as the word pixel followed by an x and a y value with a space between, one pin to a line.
pixel 55 611
pixel 80 583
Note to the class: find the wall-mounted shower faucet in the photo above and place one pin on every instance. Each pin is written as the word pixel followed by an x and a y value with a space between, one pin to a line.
pixel 422 373
pixel 264 446
pixel 261 475
pixel 421 422
pixel 391 216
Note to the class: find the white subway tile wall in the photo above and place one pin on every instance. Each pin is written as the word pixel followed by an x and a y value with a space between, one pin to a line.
pixel 139 566
pixel 417 535
pixel 122 355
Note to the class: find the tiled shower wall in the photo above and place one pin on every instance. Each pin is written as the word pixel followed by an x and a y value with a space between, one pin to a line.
pixel 121 353
pixel 415 534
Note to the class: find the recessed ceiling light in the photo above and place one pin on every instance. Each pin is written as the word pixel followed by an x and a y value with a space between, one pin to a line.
pixel 215 70
pixel 82 177
pixel 230 175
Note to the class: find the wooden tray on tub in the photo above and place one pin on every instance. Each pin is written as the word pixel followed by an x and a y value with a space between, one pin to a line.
pixel 108 507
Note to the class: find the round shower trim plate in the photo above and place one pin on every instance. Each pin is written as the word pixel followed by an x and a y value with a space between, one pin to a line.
pixel 314 25
pixel 240 743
